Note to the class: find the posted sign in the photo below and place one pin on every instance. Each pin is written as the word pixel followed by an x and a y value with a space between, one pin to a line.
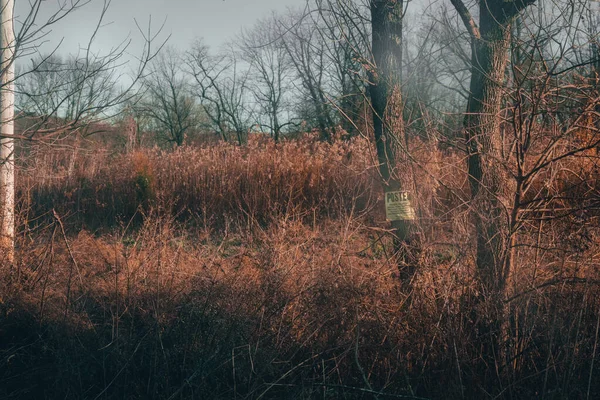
pixel 398 207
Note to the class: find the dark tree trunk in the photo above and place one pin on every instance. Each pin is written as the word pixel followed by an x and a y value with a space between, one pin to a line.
pixel 276 127
pixel 489 181
pixel 325 125
pixel 386 101
pixel 482 129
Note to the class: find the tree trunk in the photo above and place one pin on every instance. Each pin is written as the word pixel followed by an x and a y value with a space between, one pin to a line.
pixel 386 101
pixel 349 107
pixel 482 129
pixel 7 147
pixel 324 125
pixel 131 128
pixel 276 127
pixel 489 181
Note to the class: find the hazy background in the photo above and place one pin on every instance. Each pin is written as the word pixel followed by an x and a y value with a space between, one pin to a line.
pixel 215 20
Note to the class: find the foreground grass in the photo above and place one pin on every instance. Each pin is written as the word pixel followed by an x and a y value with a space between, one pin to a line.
pixel 294 311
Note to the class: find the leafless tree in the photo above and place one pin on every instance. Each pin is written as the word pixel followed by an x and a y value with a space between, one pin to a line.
pixel 366 49
pixel 345 29
pixel 270 83
pixel 307 52
pixel 386 102
pixel 167 98
pixel 7 145
pixel 54 90
pixel 221 84
pixel 530 133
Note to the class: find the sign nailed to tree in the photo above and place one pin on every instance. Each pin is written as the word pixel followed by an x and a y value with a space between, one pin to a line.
pixel 398 207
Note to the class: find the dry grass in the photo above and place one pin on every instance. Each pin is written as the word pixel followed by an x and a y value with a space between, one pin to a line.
pixel 257 183
pixel 266 272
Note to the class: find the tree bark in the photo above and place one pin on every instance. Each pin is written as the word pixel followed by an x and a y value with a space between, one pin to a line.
pixel 482 130
pixel 489 181
pixel 7 146
pixel 386 101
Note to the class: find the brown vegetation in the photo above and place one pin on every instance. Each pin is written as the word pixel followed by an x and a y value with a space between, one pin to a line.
pixel 258 182
pixel 266 272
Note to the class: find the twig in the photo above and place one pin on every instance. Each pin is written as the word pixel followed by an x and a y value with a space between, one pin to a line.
pixel 593 356
pixel 373 392
pixel 64 234
pixel 360 368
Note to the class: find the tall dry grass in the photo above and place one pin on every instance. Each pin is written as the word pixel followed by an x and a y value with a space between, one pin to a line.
pixel 266 271
pixel 256 183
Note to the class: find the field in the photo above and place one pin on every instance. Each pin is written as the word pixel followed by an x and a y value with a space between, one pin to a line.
pixel 268 271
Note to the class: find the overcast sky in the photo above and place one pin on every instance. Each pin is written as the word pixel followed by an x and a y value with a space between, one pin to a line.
pixel 215 20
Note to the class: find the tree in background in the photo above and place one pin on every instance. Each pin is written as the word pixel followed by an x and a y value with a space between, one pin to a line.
pixel 271 78
pixel 167 99
pixel 307 52
pixel 53 90
pixel 70 89
pixel 221 85
pixel 344 28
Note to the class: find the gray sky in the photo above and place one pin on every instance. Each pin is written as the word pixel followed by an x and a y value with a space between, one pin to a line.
pixel 215 20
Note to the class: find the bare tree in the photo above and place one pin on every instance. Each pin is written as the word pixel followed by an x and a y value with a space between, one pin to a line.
pixel 386 103
pixel 54 90
pixel 67 89
pixel 262 48
pixel 365 47
pixel 425 79
pixel 345 29
pixel 222 87
pixel 167 99
pixel 307 51
pixel 526 129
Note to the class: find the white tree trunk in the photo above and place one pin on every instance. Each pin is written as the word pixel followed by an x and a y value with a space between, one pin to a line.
pixel 7 146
